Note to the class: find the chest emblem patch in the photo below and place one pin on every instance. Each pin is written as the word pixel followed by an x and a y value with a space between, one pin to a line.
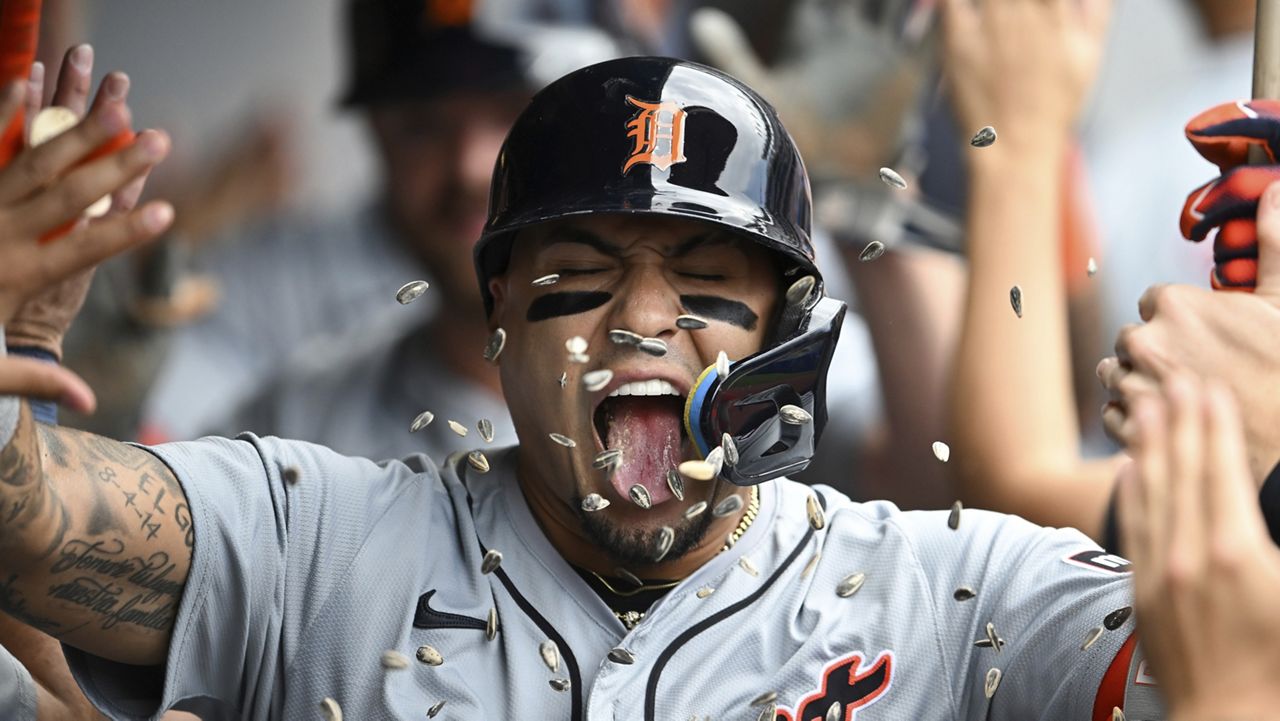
pixel 848 682
pixel 658 131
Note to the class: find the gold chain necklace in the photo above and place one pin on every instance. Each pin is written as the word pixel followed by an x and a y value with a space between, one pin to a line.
pixel 630 619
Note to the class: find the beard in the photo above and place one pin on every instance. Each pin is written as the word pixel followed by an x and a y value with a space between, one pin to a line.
pixel 638 546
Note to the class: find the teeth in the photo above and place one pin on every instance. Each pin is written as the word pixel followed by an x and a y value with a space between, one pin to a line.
pixel 654 387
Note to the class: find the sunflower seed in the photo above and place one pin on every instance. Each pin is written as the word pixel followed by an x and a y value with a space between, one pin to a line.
pixel 628 576
pixel 1015 300
pixel 941 451
pixel 394 660
pixel 576 344
pixel 429 656
pixel 794 415
pixel 730 450
pixel 874 250
pixel 563 440
pixel 666 535
pixel 640 496
pixel 485 426
pixel 817 519
pixel 497 341
pixel 996 642
pixel 491 624
pixel 953 518
pixel 716 459
pixel 653 346
pixel 625 337
pixel 580 358
pixel 492 559
pixel 563 380
pixel 478 461
pixel 765 698
pixel 332 711
pixel 1092 267
pixel 722 364
pixel 728 505
pixel 550 653
pixel 850 584
pixel 411 291
pixel 51 122
pixel 768 713
pixel 697 470
pixel 594 502
pixel 559 684
pixel 690 322
pixel 695 510
pixel 748 566
pixel 290 475
pixel 1117 713
pixel 729 540
pixel 812 564
pixel 799 293
pixel 992 682
pixel 964 593
pixel 891 178
pixel 458 428
pixel 986 643
pixel 550 279
pixel 833 712
pixel 622 656
pixel 435 709
pixel 704 592
pixel 675 482
pixel 607 457
pixel 984 138
pixel 595 380
pixel 422 421
pixel 1090 638
pixel 1116 618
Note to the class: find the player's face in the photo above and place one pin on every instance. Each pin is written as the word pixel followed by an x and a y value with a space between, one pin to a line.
pixel 437 157
pixel 634 274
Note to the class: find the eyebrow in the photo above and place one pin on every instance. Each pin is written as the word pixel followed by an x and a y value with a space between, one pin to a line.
pixel 585 237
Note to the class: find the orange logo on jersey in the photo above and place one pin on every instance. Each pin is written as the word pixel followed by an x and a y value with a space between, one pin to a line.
pixel 658 129
pixel 847 682
pixel 448 13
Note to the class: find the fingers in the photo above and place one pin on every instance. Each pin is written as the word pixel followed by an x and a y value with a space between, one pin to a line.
pixel 1230 494
pixel 114 89
pixel 35 91
pixel 1268 226
pixel 38 167
pixel 1147 303
pixel 1186 469
pixel 31 378
pixel 12 97
pixel 75 78
pixel 1150 453
pixel 1132 513
pixel 93 243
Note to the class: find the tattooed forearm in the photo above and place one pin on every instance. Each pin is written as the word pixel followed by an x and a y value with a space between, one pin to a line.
pixel 18 465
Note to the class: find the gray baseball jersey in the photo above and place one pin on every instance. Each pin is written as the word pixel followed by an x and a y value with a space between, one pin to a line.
pixel 17 689
pixel 297 591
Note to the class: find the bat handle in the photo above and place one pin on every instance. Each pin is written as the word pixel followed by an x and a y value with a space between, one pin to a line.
pixel 1266 60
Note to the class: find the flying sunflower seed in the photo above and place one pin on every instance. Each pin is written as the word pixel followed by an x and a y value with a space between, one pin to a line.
pixel 986 643
pixel 607 457
pixel 996 642
pixel 458 428
pixel 1090 638
pixel 579 358
pixel 812 564
pixel 794 415
pixel 640 496
pixel 422 421
pixel 435 709
pixel 1116 618
pixel 492 559
pixel 941 451
pixel 595 380
pixel 716 459
pixel 697 470
pixel 622 656
pixel 497 341
pixel 51 122
pixel 491 624
pixel 666 535
pixel 485 426
pixel 290 475
pixel 730 450
pixel 953 518
pixel 799 293
pixel 394 660
pixel 563 380
pixel 728 505
pixel 1092 267
pixel 768 713
pixel 594 502
pixel 833 712
pixel 817 519
pixel 748 566
pixel 559 684
pixel 550 279
pixel 704 592
pixel 477 461
pixel 675 482
pixel 429 656
pixel 690 322
pixel 765 698
pixel 984 138
pixel 628 576
pixel 1117 713
pixel 563 440
pixel 992 682
pixel 625 337
pixel 722 364
pixel 576 344
pixel 1015 300
pixel 332 711
pixel 550 655
pixel 729 540
pixel 892 179
pixel 874 250
pixel 653 346
pixel 850 584
pixel 964 593
pixel 695 510
pixel 411 291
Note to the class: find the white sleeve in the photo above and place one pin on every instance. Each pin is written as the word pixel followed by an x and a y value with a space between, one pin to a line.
pixel 17 689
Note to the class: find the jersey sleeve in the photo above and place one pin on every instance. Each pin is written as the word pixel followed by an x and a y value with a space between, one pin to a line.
pixel 274 526
pixel 1034 623
pixel 17 689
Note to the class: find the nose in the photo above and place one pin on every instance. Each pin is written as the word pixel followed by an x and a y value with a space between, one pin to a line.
pixel 647 303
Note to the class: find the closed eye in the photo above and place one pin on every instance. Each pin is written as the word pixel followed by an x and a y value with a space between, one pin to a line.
pixel 703 276
pixel 570 272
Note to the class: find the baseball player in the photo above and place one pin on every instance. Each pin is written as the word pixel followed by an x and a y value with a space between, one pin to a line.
pixel 663 339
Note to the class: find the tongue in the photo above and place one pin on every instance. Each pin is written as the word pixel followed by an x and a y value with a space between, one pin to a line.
pixel 647 431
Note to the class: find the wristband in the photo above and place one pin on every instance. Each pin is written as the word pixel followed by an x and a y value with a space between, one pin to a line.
pixel 1269 497
pixel 10 407
pixel 42 411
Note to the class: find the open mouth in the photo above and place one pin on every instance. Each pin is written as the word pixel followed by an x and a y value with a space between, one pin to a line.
pixel 644 420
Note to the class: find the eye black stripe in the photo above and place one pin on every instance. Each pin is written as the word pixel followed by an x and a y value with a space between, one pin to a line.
pixel 569 302
pixel 721 309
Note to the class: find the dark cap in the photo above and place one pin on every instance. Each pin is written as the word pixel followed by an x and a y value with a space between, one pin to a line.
pixel 418 49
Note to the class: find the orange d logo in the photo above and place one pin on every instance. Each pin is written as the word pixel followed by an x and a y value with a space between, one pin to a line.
pixel 658 129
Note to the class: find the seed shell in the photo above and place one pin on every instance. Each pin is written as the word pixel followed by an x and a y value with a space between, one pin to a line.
pixel 550 655
pixel 653 346
pixel 607 457
pixel 992 683
pixel 411 291
pixel 1117 713
pixel 794 415
pixel 497 341
pixel 1117 618
pixel 49 123
pixel 550 279
pixel 953 518
pixel 394 660
pixel 833 712
pixel 704 592
pixel 477 461
pixel 727 506
pixel 690 322
pixel 559 684
pixel 622 656
pixel 332 711
pixel 675 482
pixel 290 475
pixel 716 459
pixel 485 426
pixel 799 292
pixel 850 584
pixel 1090 638
pixel 1015 300
pixel 817 519
pixel 458 428
pixel 595 380
pixel 422 421
pixel 764 698
pixel 730 450
pixel 695 510
pixel 491 624
pixel 580 358
pixel 628 576
pixel 996 642
pixel 873 250
pixel 812 564
pixel 722 364
pixel 492 559
pixel 1092 267
pixel 697 470
pixel 429 656
pixel 625 337
pixel 594 502
pixel 964 593
pixel 666 535
pixel 892 179
pixel 563 440
pixel 984 138
pixel 435 709
pixel 769 712
pixel 748 566
pixel 563 380
pixel 576 344
pixel 640 496
pixel 941 451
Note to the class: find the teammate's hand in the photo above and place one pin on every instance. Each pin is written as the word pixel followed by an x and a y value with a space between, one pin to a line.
pixel 1224 136
pixel 1022 67
pixel 1228 336
pixel 1206 573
